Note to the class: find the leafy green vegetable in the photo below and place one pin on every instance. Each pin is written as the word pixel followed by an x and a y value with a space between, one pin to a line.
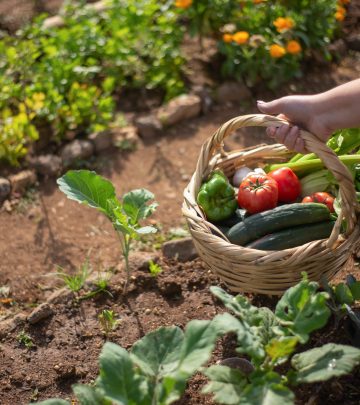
pixel 88 188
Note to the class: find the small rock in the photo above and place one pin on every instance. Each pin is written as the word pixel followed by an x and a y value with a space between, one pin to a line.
pixel 148 126
pixel 353 42
pixel 147 311
pixel 230 92
pixel 141 260
pixel 77 149
pixel 179 109
pixel 180 249
pixel 11 324
pixel 47 165
pixel 238 363
pixel 126 137
pixel 102 140
pixel 7 206
pixel 22 180
pixel 43 311
pixel 5 188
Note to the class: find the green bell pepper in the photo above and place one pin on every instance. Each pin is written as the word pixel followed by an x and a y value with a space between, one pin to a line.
pixel 217 197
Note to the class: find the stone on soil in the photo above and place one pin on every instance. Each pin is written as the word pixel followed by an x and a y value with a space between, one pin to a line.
pixel 148 126
pixel 102 140
pixel 75 150
pixel 126 137
pixel 5 188
pixel 22 180
pixel 180 109
pixel 47 165
pixel 41 312
pixel 182 250
pixel 230 92
pixel 141 260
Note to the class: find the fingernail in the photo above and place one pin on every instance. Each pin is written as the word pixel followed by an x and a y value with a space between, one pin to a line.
pixel 260 102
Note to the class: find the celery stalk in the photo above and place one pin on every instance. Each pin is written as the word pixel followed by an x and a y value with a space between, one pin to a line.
pixel 309 166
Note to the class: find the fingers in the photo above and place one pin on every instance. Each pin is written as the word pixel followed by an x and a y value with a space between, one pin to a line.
pixel 289 136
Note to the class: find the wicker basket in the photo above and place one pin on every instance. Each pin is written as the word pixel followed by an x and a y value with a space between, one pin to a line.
pixel 268 272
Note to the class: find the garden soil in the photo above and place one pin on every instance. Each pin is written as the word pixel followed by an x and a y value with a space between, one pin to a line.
pixel 46 230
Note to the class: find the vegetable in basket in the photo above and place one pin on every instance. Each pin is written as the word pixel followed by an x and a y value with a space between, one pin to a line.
pixel 288 184
pixel 258 193
pixel 217 197
pixel 322 198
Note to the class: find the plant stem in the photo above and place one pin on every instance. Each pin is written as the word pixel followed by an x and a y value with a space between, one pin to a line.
pixel 126 251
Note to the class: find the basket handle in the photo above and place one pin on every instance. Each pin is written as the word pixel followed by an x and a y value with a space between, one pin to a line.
pixel 349 205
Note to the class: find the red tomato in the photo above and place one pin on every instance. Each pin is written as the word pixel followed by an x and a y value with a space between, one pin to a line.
pixel 258 193
pixel 288 184
pixel 322 198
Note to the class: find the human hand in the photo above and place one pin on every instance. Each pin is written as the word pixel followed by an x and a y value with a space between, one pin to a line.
pixel 300 112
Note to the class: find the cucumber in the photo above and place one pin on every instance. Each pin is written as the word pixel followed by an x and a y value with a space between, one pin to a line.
pixel 284 216
pixel 292 237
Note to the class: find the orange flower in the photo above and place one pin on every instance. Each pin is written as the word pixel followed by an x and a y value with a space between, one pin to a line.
pixel 277 51
pixel 183 3
pixel 340 9
pixel 293 47
pixel 227 38
pixel 241 37
pixel 258 1
pixel 344 1
pixel 284 23
pixel 339 16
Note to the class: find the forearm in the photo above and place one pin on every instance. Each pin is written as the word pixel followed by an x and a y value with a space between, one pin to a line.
pixel 340 106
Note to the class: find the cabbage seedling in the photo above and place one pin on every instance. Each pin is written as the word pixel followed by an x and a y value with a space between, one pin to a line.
pixel 87 187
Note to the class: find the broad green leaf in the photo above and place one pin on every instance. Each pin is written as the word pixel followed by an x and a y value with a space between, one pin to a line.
pixel 225 383
pixel 266 388
pixel 267 394
pixel 145 230
pixel 53 401
pixel 343 294
pixel 158 353
pixel 302 310
pixel 170 390
pixel 322 363
pixel 135 204
pixel 355 290
pixel 87 395
pixel 118 380
pixel 87 187
pixel 280 348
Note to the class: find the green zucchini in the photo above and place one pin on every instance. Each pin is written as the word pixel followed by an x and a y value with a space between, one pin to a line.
pixel 284 216
pixel 292 237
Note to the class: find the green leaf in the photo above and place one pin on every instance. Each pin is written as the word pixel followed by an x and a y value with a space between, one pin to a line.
pixel 302 310
pixel 280 348
pixel 267 394
pixel 135 204
pixel 118 380
pixel 87 395
pixel 145 230
pixel 87 187
pixel 158 353
pixel 53 401
pixel 355 290
pixel 322 363
pixel 225 383
pixel 343 294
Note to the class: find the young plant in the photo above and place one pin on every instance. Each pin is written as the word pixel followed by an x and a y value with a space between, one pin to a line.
pixel 156 369
pixel 342 297
pixel 75 282
pixel 24 339
pixel 107 320
pixel 270 339
pixel 89 188
pixel 154 268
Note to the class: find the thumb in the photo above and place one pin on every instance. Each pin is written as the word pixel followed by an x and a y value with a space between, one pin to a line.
pixel 272 107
